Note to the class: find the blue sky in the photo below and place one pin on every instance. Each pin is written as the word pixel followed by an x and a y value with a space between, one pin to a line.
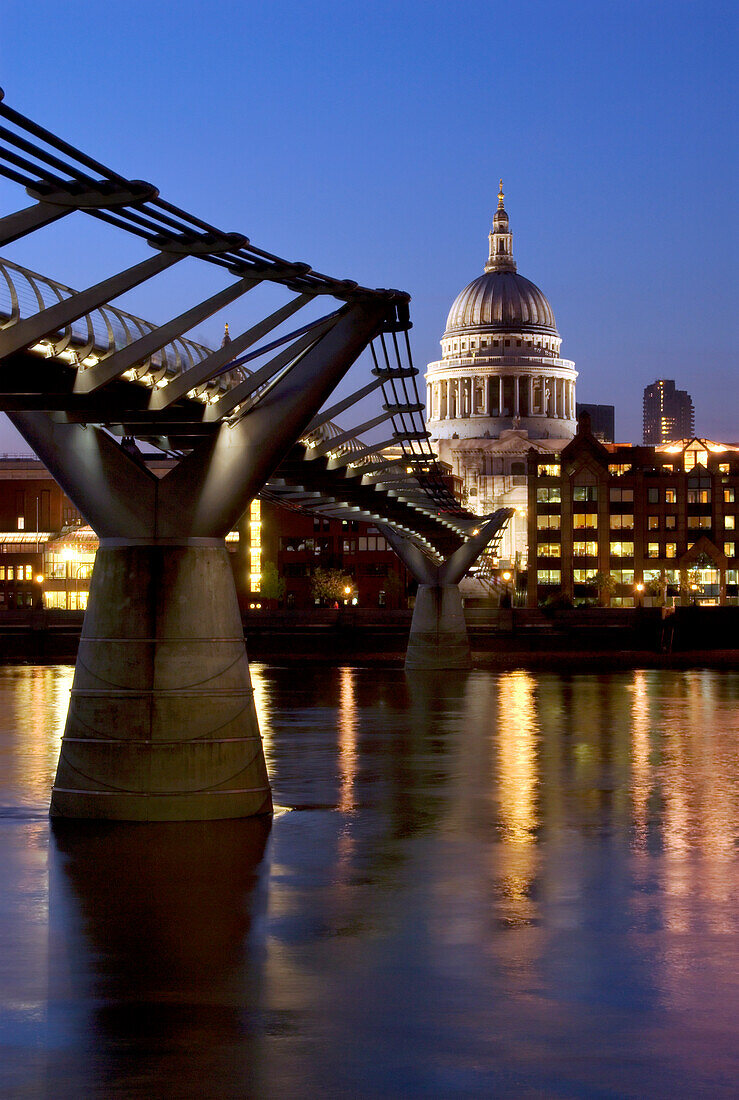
pixel 368 140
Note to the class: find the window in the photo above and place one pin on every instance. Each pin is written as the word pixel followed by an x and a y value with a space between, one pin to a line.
pixel 730 549
pixel 652 549
pixel 2 572
pixel 548 550
pixel 548 576
pixel 623 576
pixel 728 496
pixel 11 573
pixel 670 522
pixel 652 523
pixel 723 467
pixel 585 492
pixel 623 522
pixel 581 520
pixel 583 576
pixel 670 496
pixel 699 522
pixel 547 470
pixel 618 470
pixel 622 495
pixel 349 546
pixel 653 496
pixel 585 549
pixel 670 549
pixel 21 523
pixel 549 494
pixel 622 549
pixel 729 522
pixel 29 572
pixel 548 523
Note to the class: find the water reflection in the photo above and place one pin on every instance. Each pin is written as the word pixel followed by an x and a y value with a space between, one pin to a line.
pixel 478 879
pixel 160 956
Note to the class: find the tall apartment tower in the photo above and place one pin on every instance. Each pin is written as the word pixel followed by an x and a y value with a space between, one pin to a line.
pixel 668 413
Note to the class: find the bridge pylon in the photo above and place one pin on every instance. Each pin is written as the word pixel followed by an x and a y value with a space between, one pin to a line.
pixel 162 724
pixel 438 637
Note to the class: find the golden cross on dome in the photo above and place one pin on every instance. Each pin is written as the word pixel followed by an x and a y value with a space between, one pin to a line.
pixel 500 196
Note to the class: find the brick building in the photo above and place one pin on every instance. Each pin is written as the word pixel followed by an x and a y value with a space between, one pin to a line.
pixel 626 524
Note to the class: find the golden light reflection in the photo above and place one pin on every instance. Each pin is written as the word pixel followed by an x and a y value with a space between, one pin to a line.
pixel 262 705
pixel 517 774
pixel 641 779
pixel 347 740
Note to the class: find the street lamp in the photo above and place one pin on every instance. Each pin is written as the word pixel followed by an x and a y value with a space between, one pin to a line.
pixel 639 590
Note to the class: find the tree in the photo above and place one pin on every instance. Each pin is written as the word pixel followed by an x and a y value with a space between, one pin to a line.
pixel 331 586
pixel 272 585
pixel 606 585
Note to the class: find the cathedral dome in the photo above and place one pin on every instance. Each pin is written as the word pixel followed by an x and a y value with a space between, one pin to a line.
pixel 501 301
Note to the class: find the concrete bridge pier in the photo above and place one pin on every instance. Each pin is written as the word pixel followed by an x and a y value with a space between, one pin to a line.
pixel 162 724
pixel 438 637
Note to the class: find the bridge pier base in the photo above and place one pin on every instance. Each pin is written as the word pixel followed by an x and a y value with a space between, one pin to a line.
pixel 162 724
pixel 438 637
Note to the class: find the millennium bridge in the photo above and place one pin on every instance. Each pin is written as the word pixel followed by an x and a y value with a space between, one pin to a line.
pixel 161 723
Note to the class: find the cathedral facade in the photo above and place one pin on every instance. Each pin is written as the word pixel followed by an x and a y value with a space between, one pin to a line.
pixel 500 387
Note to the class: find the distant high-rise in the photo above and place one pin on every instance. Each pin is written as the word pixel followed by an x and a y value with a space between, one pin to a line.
pixel 668 413
pixel 602 420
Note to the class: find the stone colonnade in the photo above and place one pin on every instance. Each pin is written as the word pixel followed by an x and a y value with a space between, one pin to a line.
pixel 501 395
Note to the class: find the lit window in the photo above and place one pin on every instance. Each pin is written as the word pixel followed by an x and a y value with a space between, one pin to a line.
pixel 583 576
pixel 622 549
pixel 548 494
pixel 728 496
pixel 723 467
pixel 619 469
pixel 699 522
pixel 585 492
pixel 584 519
pixel 653 550
pixel 670 522
pixel 652 523
pixel 585 549
pixel 548 470
pixel 2 572
pixel 11 573
pixel 729 522
pixel 548 523
pixel 29 572
pixel 623 522
pixel 548 576
pixel 21 523
pixel 548 550
pixel 730 549
pixel 670 549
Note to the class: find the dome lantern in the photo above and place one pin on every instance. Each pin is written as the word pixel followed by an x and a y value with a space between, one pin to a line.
pixel 501 240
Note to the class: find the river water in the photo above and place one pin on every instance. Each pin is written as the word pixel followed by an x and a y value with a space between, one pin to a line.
pixel 492 884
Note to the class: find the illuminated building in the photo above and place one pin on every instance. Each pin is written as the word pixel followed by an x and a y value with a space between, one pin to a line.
pixel 47 552
pixel 668 413
pixel 500 387
pixel 634 524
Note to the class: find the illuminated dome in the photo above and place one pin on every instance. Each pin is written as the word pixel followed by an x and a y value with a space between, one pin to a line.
pixel 501 301
pixel 501 367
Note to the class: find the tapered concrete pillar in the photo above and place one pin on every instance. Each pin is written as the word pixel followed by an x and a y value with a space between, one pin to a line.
pixel 438 638
pixel 161 724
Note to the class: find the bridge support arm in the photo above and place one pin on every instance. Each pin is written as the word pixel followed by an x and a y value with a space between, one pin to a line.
pixel 438 637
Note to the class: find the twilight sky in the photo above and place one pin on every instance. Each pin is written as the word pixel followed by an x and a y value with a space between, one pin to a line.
pixel 367 140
